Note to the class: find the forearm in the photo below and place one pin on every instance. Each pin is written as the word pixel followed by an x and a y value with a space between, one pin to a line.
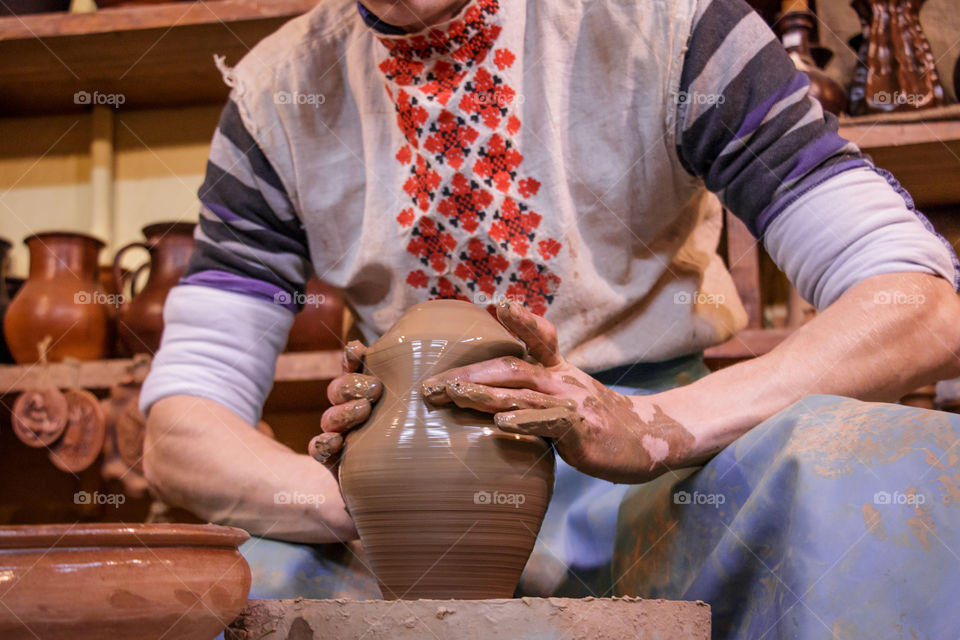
pixel 857 348
pixel 201 456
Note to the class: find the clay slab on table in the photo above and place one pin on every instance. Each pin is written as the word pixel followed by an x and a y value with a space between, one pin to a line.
pixel 496 619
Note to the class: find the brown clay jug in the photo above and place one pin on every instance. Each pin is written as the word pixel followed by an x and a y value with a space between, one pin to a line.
pixel 61 299
pixel 140 321
pixel 447 505
pixel 319 325
pixel 797 33
pixel 901 68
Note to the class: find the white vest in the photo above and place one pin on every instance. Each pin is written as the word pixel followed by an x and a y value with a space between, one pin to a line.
pixel 567 130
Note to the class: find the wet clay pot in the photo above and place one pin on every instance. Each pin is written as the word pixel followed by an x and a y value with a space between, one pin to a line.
pixel 140 320
pixel 319 325
pixel 120 581
pixel 447 506
pixel 62 299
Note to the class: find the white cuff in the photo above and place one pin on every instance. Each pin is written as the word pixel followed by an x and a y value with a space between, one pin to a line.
pixel 218 345
pixel 847 229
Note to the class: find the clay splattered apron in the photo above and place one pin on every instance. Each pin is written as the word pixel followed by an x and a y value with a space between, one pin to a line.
pixel 833 519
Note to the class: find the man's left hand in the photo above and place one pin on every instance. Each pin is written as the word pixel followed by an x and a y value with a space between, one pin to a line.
pixel 599 431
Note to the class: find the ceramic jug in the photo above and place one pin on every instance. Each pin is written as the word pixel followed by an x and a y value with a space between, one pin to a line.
pixel 61 299
pixel 140 320
pixel 446 504
pixel 797 33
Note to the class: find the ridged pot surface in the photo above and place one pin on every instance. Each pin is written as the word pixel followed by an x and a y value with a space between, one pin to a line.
pixel 447 506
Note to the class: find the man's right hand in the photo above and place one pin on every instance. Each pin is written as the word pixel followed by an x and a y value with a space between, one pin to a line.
pixel 351 396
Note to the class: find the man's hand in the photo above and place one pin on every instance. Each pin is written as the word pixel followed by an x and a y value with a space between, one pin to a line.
pixel 201 456
pixel 598 431
pixel 352 395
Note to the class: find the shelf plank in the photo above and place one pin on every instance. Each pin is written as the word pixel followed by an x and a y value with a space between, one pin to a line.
pixel 152 56
pixel 747 344
pixel 922 149
pixel 102 374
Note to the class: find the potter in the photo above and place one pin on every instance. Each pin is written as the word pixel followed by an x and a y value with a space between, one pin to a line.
pixel 537 152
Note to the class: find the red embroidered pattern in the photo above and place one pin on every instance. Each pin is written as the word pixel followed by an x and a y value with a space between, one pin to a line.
pixel 471 226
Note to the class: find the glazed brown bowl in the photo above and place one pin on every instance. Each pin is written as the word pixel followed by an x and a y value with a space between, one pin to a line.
pixel 119 581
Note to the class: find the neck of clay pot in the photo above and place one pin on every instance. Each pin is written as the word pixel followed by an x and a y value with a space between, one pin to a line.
pixel 52 257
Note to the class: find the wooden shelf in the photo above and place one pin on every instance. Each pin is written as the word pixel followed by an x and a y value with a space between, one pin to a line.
pixel 747 344
pixel 922 149
pixel 101 374
pixel 153 55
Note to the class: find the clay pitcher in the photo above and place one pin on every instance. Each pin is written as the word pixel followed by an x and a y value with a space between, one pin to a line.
pixel 447 505
pixel 140 321
pixel 61 299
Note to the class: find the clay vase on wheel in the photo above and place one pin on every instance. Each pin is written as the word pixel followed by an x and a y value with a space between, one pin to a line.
pixel 140 321
pixel 447 505
pixel 61 299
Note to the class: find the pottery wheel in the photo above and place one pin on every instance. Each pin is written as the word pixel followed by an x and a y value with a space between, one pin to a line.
pixel 494 619
pixel 83 438
pixel 39 416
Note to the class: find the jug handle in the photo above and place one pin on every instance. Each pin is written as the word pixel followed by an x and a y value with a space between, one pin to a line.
pixel 118 271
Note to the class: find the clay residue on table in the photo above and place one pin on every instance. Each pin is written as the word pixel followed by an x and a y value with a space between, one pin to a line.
pixel 494 619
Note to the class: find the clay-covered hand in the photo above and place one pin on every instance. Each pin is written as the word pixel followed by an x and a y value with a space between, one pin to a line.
pixel 598 431
pixel 351 396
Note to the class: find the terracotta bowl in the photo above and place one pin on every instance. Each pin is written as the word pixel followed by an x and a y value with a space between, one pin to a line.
pixel 118 581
